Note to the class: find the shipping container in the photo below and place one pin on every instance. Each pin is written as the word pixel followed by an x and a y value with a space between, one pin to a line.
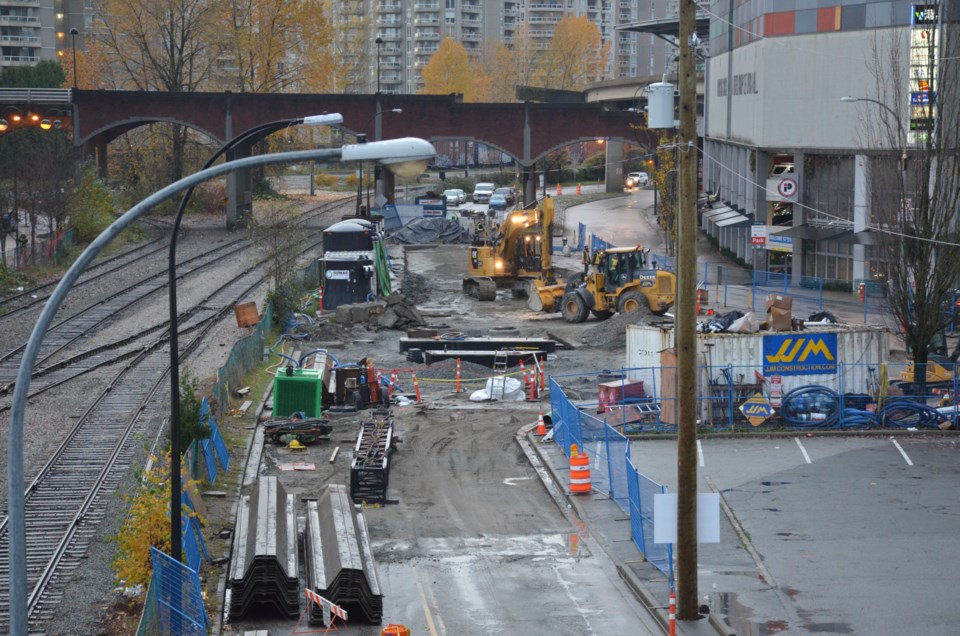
pixel 844 359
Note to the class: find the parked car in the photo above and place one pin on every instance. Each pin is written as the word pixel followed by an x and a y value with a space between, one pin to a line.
pixel 637 180
pixel 498 203
pixel 482 192
pixel 455 196
pixel 508 193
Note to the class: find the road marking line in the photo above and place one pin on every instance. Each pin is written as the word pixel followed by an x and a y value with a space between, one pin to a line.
pixel 426 606
pixel 512 481
pixel 802 449
pixel 700 453
pixel 902 452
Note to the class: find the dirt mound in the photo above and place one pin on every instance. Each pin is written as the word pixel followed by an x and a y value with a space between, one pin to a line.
pixel 611 334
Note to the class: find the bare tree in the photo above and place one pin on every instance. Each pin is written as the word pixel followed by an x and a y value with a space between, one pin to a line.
pixel 914 183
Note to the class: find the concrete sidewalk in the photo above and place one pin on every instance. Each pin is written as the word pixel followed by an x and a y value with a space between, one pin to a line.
pixel 604 523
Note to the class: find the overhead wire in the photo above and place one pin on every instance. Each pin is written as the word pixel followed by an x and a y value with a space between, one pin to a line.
pixel 820 212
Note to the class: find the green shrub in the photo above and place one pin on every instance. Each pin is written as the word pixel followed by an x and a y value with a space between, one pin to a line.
pixel 92 206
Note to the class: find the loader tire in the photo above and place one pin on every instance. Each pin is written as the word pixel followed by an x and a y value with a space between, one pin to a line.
pixel 601 315
pixel 573 307
pixel 633 301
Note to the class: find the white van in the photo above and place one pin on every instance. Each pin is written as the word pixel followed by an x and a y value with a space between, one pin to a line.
pixel 482 192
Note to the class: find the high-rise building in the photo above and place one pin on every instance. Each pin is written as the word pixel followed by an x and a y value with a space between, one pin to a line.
pixel 35 30
pixel 411 32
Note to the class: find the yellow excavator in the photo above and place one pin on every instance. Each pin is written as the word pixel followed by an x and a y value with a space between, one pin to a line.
pixel 511 254
pixel 621 281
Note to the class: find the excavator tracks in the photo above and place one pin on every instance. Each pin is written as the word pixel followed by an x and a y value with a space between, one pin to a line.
pixel 484 289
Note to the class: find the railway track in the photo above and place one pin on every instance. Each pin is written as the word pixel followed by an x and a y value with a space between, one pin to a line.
pixel 71 494
pixel 84 322
pixel 18 304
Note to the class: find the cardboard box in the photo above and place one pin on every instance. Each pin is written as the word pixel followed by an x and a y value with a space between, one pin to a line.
pixel 779 301
pixel 247 314
pixel 779 319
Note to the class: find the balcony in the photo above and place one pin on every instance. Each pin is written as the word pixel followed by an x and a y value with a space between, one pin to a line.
pixel 19 20
pixel 549 19
pixel 20 60
pixel 427 35
pixel 20 39
pixel 545 7
pixel 426 6
pixel 390 7
pixel 426 20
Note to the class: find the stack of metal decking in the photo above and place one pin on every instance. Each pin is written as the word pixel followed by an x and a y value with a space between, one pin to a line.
pixel 263 573
pixel 337 558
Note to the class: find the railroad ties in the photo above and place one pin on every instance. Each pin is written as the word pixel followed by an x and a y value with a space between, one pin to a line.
pixel 263 574
pixel 338 559
pixel 370 470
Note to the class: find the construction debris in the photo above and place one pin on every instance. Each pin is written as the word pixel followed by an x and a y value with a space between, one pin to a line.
pixel 395 313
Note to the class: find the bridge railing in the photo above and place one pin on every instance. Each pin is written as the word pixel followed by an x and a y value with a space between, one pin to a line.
pixel 52 96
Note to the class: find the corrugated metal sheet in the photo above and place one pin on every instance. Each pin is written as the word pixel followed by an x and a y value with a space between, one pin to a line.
pixel 857 349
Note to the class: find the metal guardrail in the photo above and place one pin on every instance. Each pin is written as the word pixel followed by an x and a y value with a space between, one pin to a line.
pixel 46 96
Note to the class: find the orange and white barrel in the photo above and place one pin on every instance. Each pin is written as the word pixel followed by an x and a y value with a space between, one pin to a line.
pixel 579 472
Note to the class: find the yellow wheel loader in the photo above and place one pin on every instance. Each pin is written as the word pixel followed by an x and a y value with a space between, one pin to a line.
pixel 621 281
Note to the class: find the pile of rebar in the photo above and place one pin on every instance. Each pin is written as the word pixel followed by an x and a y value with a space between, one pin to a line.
pixel 370 470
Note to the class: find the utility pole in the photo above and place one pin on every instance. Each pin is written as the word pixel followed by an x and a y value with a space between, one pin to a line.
pixel 686 574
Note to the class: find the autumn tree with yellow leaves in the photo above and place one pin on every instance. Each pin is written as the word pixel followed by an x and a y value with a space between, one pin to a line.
pixel 575 55
pixel 450 70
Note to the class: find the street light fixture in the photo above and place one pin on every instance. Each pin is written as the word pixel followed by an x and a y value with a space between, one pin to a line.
pixel 262 130
pixel 379 42
pixel 73 40
pixel 902 133
pixel 393 153
pixel 362 139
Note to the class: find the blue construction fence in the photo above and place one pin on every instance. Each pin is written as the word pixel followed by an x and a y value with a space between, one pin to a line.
pixel 612 472
pixel 207 458
pixel 855 396
pixel 174 603
pixel 735 287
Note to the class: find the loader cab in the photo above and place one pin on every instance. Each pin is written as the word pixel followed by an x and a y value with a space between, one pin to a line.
pixel 621 267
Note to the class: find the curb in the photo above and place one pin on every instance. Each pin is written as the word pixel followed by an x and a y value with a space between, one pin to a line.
pixel 566 502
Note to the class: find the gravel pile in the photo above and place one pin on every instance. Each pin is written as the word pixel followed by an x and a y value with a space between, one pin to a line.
pixel 415 288
pixel 611 334
pixel 447 370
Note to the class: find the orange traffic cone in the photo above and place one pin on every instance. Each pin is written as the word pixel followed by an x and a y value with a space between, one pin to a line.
pixel 578 189
pixel 559 189
pixel 541 427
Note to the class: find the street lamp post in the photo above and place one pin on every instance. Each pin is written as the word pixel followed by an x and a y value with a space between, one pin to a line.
pixel 175 485
pixel 73 41
pixel 402 156
pixel 379 42
pixel 362 139
pixel 902 135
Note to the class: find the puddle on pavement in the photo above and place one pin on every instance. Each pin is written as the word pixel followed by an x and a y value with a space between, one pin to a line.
pixel 741 618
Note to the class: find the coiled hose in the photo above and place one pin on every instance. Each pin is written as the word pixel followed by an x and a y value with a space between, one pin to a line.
pixel 811 407
pixel 908 413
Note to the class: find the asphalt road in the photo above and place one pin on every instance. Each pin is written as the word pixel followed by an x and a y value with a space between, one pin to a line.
pixel 850 535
